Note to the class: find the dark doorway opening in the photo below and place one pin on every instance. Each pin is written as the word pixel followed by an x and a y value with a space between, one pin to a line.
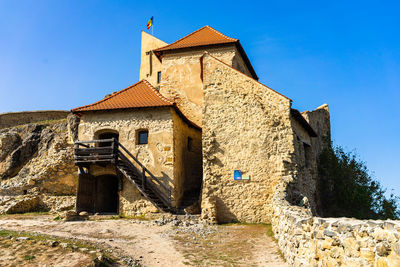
pixel 106 194
pixel 108 135
pixel 98 194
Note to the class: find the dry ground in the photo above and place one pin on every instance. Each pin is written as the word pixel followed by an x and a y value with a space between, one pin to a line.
pixel 145 241
pixel 32 253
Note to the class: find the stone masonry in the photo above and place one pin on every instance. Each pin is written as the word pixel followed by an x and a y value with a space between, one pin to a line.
pixel 306 240
pixel 246 126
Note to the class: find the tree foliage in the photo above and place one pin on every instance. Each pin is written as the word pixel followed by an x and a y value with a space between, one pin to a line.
pixel 347 188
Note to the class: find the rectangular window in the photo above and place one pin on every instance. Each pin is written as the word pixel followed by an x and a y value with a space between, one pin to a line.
pixel 189 144
pixel 143 136
pixel 159 77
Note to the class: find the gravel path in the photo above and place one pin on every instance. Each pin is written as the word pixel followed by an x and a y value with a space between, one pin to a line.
pixel 153 243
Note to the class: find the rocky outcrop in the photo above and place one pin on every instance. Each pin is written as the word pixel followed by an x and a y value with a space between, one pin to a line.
pixel 26 147
pixel 36 168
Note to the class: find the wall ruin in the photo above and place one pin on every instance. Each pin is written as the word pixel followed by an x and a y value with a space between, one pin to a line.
pixel 306 240
pixel 11 119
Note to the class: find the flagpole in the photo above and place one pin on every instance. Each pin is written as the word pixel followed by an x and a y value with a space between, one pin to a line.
pixel 152 28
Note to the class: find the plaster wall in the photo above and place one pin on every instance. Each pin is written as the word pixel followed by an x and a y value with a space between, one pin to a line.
pixel 181 77
pixel 150 65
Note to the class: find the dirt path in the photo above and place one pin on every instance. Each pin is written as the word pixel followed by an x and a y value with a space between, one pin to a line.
pixel 165 245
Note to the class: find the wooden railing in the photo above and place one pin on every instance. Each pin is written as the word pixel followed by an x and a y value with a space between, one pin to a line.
pixel 94 151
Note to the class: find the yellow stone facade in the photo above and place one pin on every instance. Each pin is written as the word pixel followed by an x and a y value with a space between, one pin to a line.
pixel 244 126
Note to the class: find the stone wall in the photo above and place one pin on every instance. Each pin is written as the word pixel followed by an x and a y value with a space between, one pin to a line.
pixel 188 171
pixel 313 241
pixel 247 127
pixel 303 189
pixel 157 155
pixel 319 119
pixel 11 119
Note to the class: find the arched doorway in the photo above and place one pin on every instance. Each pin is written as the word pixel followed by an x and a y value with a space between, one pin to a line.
pixel 107 134
pixel 106 194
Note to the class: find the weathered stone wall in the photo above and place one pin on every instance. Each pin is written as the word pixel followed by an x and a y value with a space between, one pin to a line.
pixel 303 188
pixel 157 155
pixel 247 127
pixel 188 171
pixel 11 119
pixel 150 65
pixel 181 78
pixel 319 119
pixel 238 63
pixel 313 241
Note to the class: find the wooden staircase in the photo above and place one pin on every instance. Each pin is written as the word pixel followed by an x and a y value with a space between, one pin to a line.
pixel 110 151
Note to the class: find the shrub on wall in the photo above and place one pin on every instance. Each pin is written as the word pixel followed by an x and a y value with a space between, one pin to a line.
pixel 347 188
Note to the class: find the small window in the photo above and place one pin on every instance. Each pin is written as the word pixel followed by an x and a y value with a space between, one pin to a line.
pixel 189 144
pixel 307 154
pixel 143 137
pixel 159 77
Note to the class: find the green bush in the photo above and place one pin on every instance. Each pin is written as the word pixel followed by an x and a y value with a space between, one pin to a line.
pixel 347 188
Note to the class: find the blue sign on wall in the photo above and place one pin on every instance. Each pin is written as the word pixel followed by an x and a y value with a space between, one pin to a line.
pixel 237 175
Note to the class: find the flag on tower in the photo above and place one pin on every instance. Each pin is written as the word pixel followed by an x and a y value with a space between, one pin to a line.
pixel 150 23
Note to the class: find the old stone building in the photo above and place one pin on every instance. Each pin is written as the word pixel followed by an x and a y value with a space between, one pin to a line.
pixel 198 129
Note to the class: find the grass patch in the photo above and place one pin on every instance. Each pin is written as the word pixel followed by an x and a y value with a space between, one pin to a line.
pixel 29 257
pixel 75 245
pixel 44 122
pixel 25 215
pixel 141 217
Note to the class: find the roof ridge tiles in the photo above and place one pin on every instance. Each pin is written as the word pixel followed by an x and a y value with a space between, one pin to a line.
pixel 108 97
pixel 130 100
pixel 156 91
pixel 220 33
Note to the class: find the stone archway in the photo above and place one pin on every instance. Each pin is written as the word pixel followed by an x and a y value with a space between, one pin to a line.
pixel 106 134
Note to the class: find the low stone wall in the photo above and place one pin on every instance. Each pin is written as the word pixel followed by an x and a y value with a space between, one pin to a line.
pixel 313 241
pixel 11 119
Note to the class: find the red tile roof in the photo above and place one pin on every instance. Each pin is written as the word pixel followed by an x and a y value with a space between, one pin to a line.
pixel 141 94
pixel 203 36
pixel 206 36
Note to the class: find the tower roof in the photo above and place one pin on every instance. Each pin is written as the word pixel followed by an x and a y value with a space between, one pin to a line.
pixel 139 95
pixel 206 36
pixel 203 36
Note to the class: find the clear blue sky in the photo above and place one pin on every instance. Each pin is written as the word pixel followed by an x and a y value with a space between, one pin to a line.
pixel 60 54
